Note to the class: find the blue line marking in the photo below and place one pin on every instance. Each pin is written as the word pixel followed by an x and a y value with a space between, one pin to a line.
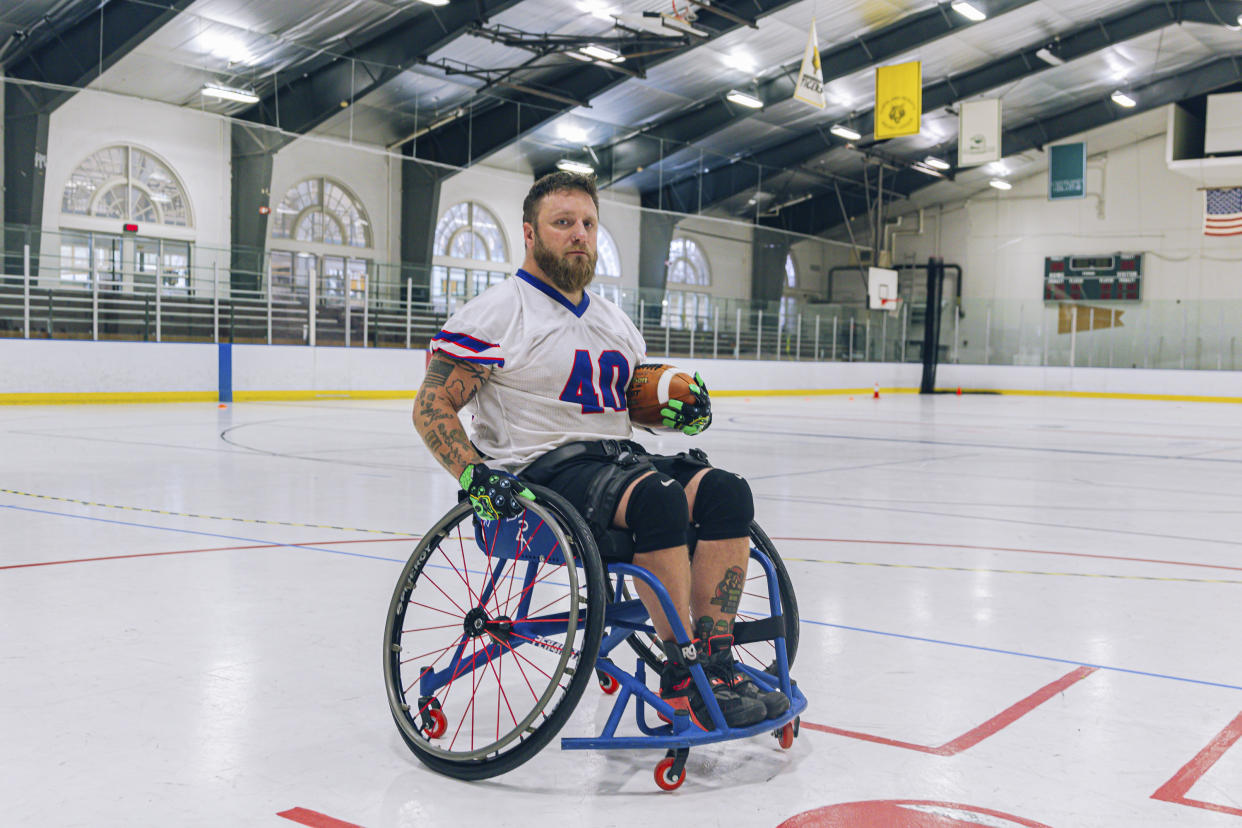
pixel 1022 655
pixel 204 534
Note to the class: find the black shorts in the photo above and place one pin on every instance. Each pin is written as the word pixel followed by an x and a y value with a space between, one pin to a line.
pixel 573 480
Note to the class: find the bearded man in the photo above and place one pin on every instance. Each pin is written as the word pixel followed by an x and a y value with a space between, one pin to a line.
pixel 544 368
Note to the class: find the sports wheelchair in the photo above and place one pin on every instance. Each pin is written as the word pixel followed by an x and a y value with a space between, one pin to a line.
pixel 495 629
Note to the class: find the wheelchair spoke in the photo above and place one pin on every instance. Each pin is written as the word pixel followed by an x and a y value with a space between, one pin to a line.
pixel 465 574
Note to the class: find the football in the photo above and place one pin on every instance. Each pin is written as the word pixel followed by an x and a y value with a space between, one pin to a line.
pixel 651 389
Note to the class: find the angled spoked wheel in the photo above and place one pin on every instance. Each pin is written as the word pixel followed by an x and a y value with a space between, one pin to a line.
pixel 485 633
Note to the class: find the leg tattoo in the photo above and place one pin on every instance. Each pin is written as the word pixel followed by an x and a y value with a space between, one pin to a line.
pixel 728 596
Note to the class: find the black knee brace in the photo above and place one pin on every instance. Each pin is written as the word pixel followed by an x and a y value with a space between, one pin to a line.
pixel 657 513
pixel 723 506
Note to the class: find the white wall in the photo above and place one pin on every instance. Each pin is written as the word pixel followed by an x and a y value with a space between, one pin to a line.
pixel 1134 204
pixel 195 145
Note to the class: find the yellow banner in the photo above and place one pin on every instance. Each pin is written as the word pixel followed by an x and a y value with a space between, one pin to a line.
pixel 898 100
pixel 1081 318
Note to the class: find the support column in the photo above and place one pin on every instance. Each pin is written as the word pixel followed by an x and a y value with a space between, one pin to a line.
pixel 254 149
pixel 655 236
pixel 27 113
pixel 769 248
pixel 420 209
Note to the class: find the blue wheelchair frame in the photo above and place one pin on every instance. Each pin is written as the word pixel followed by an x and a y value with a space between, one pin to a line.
pixel 512 540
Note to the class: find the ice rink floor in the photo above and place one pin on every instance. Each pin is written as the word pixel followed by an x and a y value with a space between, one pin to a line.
pixel 1015 612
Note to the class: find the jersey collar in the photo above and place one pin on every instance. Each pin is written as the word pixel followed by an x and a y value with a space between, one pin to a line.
pixel 539 284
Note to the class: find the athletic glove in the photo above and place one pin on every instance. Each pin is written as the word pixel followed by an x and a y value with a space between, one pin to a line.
pixel 493 494
pixel 690 418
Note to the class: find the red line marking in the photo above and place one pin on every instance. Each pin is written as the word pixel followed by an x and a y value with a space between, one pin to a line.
pixel 1013 549
pixel 1176 788
pixel 192 551
pixel 315 819
pixel 973 737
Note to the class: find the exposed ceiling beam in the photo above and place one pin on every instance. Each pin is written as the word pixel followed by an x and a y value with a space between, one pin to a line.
pixel 744 173
pixel 821 213
pixel 497 123
pixel 302 99
pixel 627 156
pixel 77 54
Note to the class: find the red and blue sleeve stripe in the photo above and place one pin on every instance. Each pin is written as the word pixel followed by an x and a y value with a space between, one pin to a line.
pixel 465 347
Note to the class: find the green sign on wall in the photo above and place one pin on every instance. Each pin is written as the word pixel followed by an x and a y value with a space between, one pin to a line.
pixel 1067 171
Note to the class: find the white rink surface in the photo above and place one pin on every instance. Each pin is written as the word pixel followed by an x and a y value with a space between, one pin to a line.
pixel 217 662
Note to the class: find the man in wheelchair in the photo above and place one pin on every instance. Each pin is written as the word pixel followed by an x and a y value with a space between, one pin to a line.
pixel 544 368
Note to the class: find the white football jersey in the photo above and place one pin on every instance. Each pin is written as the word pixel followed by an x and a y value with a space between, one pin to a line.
pixel 559 370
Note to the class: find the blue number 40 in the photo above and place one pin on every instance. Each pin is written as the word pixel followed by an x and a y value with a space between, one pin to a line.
pixel 614 376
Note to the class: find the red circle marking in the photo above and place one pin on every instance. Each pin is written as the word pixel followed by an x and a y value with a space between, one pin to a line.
pixel 905 813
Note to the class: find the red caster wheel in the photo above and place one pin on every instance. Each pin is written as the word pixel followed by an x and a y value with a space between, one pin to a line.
pixel 664 777
pixel 785 736
pixel 439 723
pixel 608 684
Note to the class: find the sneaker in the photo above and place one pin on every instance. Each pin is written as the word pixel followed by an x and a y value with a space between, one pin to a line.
pixel 677 687
pixel 719 665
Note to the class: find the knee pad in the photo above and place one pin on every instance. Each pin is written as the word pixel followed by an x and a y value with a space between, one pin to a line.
pixel 723 506
pixel 657 513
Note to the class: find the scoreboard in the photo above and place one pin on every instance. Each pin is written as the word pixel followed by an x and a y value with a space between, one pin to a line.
pixel 1113 277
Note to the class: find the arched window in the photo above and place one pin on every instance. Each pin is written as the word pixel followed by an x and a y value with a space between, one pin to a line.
pixel 467 232
pixel 126 183
pixel 314 213
pixel 322 211
pixel 607 266
pixel 791 272
pixel 609 261
pixel 687 266
pixel 686 263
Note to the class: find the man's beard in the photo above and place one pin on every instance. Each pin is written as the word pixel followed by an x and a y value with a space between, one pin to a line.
pixel 569 273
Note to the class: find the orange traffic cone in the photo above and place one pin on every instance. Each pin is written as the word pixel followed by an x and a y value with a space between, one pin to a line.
pixel 876 394
pixel 959 390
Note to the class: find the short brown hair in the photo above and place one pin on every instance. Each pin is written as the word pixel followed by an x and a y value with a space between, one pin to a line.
pixel 555 182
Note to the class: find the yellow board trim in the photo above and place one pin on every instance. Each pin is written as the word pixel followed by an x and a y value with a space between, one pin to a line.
pixel 303 396
pixel 97 397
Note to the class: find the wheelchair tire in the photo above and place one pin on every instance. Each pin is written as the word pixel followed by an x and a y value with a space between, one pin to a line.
pixel 517 633
pixel 648 648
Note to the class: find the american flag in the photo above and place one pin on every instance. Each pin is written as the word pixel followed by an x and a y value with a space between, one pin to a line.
pixel 1222 212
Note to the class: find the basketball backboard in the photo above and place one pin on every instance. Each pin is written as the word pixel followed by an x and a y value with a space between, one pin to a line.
pixel 882 289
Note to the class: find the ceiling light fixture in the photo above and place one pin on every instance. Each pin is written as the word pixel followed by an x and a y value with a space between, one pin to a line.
pixel 1000 184
pixel 575 167
pixel 1049 57
pixel 936 163
pixel 743 99
pixel 602 53
pixel 926 170
pixel 229 93
pixel 581 57
pixel 968 11
pixel 844 132
pixel 435 2
pixel 1122 99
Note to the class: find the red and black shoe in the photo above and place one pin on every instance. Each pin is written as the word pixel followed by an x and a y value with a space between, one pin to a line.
pixel 677 687
pixel 719 666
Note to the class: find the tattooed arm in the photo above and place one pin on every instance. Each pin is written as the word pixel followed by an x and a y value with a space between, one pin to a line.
pixel 448 386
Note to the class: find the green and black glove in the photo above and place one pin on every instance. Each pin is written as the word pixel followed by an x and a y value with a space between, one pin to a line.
pixel 494 494
pixel 690 418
